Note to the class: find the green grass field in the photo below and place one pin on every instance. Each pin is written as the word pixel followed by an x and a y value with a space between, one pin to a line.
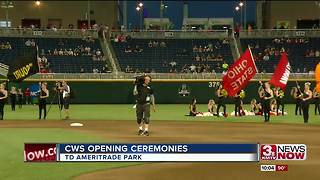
pixel 164 112
pixel 12 139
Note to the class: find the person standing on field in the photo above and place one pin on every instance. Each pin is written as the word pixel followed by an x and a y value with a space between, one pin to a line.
pixel 305 102
pixel 144 98
pixel 3 98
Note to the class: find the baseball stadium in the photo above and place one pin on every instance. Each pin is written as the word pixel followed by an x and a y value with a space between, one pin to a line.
pixel 196 73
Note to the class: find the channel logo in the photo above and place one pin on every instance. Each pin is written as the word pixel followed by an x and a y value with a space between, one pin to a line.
pixel 283 152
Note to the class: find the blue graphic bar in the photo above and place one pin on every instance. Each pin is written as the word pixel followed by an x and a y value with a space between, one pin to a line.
pixel 157 148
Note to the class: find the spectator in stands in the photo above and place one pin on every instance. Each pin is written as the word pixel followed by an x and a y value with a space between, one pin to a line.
pixel 155 44
pixel 33 43
pixel 82 70
pixel 128 49
pixel 298 70
pixel 150 45
pixel 65 52
pixel 173 64
pixel 70 52
pixel 195 49
pixel 266 57
pixel 127 70
pixel 60 53
pixel 225 41
pixel 197 58
pixel 225 66
pixel 311 53
pixel 163 44
pixel 192 68
pixel 28 42
pixel 165 64
pixel 95 71
pixel 317 53
pixel 8 46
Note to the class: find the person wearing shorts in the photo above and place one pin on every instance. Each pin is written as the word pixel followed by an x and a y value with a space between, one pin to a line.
pixel 144 98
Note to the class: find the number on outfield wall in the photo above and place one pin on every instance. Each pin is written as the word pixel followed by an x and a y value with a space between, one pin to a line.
pixel 214 84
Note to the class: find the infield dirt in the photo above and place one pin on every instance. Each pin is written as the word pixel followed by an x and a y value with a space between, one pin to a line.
pixel 199 132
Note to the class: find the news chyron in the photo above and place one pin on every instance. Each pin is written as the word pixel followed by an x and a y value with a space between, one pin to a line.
pixel 283 152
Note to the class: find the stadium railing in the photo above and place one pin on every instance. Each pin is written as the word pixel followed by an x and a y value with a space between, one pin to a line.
pixel 174 34
pixel 286 33
pixel 158 76
pixel 48 33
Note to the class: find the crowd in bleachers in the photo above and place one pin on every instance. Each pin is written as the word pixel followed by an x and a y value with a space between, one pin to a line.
pixel 5 45
pixel 172 55
pixel 267 52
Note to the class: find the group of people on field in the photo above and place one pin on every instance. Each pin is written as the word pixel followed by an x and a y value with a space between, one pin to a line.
pixel 270 102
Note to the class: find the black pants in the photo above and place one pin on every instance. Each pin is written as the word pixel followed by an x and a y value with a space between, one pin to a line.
pixel 237 108
pixel 143 113
pixel 317 106
pixel 1 109
pixel 61 101
pixel 280 103
pixel 266 110
pixel 20 102
pixel 305 110
pixel 13 104
pixel 42 106
pixel 298 107
pixel 28 99
pixel 221 104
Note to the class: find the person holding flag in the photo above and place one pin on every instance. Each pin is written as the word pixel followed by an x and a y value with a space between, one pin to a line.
pixel 296 94
pixel 267 96
pixel 222 94
pixel 280 79
pixel 279 94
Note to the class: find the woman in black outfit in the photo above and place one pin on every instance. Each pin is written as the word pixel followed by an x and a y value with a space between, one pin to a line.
pixel 306 97
pixel 193 108
pixel 296 93
pixel 20 98
pixel 316 98
pixel 237 105
pixel 44 94
pixel 279 94
pixel 13 98
pixel 3 97
pixel 221 93
pixel 267 96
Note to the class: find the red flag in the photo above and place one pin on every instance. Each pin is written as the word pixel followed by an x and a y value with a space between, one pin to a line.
pixel 240 73
pixel 281 74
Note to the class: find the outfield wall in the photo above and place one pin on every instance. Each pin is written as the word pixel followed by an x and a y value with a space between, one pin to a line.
pixel 166 91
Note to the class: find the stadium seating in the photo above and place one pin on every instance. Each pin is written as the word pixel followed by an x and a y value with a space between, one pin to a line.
pixel 58 64
pixel 178 50
pixel 295 47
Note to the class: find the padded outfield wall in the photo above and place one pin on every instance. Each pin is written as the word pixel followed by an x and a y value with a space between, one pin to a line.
pixel 166 91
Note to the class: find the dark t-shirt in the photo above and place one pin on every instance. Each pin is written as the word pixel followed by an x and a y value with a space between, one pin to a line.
pixel 144 93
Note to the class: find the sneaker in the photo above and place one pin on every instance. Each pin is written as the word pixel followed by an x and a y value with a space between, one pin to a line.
pixel 146 133
pixel 140 132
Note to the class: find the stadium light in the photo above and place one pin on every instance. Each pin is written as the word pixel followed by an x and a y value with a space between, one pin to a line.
pixel 38 3
pixel 138 8
pixel 140 4
pixel 237 8
pixel 241 4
